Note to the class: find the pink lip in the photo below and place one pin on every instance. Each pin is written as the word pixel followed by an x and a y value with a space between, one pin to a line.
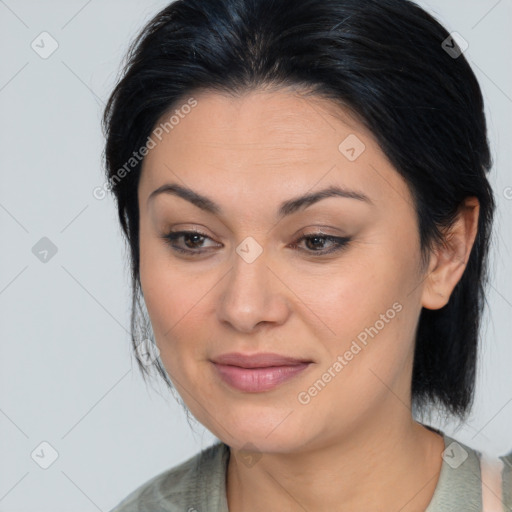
pixel 258 372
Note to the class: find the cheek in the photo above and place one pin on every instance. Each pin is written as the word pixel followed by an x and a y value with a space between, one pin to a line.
pixel 368 313
pixel 370 351
pixel 176 303
pixel 167 291
pixel 164 295
pixel 351 295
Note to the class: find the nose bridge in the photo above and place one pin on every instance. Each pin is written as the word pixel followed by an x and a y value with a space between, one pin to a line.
pixel 252 294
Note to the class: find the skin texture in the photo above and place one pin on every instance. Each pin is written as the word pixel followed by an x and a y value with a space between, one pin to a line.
pixel 354 445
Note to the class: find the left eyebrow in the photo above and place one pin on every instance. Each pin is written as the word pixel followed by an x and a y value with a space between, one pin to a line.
pixel 287 207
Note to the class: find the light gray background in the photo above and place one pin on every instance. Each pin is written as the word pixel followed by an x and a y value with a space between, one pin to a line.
pixel 67 373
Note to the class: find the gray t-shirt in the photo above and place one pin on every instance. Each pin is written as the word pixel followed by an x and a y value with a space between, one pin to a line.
pixel 199 483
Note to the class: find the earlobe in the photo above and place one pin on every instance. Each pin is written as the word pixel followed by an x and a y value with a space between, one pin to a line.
pixel 450 258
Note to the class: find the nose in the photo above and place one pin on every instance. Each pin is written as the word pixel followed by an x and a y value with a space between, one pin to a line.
pixel 253 292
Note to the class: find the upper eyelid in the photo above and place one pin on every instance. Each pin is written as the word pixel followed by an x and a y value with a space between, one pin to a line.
pixel 298 237
pixel 339 240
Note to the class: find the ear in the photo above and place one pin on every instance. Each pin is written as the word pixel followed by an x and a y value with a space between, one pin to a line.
pixel 448 262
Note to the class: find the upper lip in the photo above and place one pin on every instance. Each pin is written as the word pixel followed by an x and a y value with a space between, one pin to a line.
pixel 261 360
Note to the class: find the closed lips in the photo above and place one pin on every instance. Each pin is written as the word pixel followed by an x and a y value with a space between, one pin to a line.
pixel 257 373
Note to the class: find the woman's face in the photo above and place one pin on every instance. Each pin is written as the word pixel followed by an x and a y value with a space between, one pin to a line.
pixel 348 305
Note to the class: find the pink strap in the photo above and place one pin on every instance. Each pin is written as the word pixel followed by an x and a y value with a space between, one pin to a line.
pixel 491 469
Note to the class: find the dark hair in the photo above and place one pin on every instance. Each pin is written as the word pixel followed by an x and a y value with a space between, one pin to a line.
pixel 388 62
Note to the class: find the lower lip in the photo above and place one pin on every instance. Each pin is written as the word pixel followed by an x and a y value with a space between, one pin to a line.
pixel 255 380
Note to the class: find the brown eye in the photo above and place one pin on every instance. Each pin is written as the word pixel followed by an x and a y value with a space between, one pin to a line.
pixel 315 241
pixel 193 241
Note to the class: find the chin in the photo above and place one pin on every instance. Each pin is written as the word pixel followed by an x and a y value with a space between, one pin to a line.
pixel 260 443
pixel 274 431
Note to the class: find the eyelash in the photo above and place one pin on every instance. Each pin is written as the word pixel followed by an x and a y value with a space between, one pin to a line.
pixel 340 242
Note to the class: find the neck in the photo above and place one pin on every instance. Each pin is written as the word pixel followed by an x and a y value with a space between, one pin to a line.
pixel 393 466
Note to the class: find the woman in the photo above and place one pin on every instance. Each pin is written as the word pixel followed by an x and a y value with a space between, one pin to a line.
pixel 303 188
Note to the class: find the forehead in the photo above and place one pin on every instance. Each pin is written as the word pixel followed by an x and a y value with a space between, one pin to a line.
pixel 274 144
pixel 272 121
